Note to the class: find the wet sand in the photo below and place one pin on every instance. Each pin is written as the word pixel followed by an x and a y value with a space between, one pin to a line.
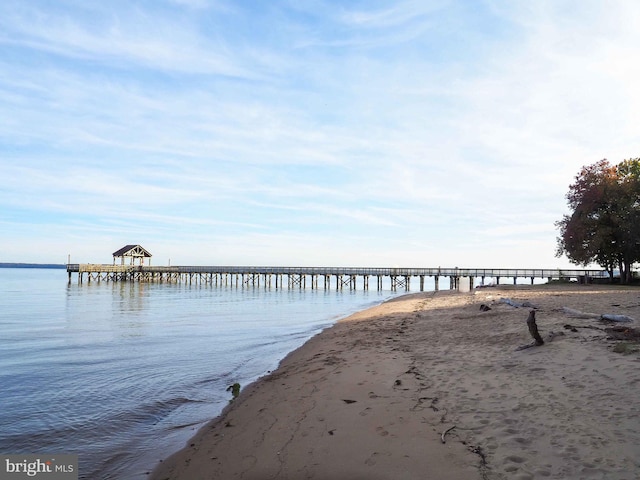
pixel 370 397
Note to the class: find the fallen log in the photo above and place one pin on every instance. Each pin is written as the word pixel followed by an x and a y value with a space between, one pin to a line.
pixel 574 328
pixel 570 312
pixel 616 318
pixel 515 304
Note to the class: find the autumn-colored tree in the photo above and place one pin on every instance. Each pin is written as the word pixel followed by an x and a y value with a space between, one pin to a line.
pixel 604 225
pixel 628 207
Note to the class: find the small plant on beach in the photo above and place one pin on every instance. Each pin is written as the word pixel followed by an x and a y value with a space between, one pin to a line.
pixel 625 348
pixel 235 391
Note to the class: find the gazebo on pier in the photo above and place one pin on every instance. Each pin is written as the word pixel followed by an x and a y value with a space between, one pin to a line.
pixel 134 252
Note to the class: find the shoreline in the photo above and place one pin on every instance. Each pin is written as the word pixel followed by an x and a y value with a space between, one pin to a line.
pixel 371 396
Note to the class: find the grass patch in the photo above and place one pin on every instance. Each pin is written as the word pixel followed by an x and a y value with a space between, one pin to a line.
pixel 235 390
pixel 625 348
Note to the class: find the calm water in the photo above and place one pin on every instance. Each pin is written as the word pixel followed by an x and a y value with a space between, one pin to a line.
pixel 124 373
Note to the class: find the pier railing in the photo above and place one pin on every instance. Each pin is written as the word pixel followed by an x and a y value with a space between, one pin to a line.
pixel 298 276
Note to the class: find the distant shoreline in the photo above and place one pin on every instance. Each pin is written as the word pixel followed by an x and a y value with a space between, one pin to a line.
pixel 59 266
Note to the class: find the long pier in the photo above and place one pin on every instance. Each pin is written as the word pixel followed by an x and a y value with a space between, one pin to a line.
pixel 315 277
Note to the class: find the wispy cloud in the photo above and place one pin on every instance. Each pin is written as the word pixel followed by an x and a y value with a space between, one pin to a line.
pixel 410 133
pixel 131 38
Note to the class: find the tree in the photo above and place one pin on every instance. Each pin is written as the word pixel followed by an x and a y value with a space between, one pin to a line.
pixel 604 225
pixel 629 211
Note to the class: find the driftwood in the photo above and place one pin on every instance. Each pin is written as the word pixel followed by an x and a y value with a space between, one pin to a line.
pixel 616 318
pixel 574 328
pixel 623 333
pixel 515 304
pixel 570 312
pixel 445 432
pixel 533 330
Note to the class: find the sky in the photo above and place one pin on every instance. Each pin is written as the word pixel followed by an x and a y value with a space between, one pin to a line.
pixel 308 133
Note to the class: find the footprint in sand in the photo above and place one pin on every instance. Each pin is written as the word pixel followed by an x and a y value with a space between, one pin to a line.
pixel 512 463
pixel 522 441
pixel 371 461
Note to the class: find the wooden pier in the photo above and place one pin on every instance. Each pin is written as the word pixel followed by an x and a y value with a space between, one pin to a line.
pixel 316 277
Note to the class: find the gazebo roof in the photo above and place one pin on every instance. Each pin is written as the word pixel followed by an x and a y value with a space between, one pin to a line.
pixel 132 251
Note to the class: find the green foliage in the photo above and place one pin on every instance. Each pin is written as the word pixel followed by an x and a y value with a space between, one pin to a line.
pixel 235 390
pixel 604 226
pixel 625 348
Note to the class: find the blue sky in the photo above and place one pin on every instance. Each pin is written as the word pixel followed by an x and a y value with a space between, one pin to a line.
pixel 362 133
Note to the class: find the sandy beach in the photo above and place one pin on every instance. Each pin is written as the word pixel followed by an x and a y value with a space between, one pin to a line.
pixel 373 396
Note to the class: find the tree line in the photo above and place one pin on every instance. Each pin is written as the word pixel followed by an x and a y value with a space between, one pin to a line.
pixel 604 224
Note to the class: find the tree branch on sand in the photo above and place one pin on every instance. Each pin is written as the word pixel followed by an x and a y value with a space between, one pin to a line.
pixel 445 432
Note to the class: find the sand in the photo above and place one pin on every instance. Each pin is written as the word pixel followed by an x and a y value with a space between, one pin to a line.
pixel 371 397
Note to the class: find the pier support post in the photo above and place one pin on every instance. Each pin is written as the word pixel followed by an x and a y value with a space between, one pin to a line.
pixel 422 283
pixel 397 281
pixel 436 281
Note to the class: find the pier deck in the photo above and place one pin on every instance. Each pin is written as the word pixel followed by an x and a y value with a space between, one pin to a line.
pixel 315 277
